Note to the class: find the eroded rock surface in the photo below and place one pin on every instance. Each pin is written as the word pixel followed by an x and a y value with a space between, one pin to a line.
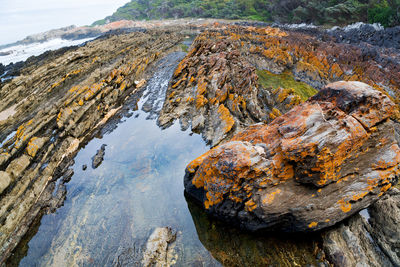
pixel 59 104
pixel 62 97
pixel 313 167
pixel 217 90
pixel 372 241
pixel 159 248
pixel 210 89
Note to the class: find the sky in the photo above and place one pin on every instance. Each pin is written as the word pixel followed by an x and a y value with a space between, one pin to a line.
pixel 20 18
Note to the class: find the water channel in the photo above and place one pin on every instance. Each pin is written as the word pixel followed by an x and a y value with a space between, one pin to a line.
pixel 110 212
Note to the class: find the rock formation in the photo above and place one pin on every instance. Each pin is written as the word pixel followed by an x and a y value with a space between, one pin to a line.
pixel 56 106
pixel 316 165
pixel 217 89
pixel 99 157
pixel 268 249
pixel 159 248
pixel 372 240
pixel 321 162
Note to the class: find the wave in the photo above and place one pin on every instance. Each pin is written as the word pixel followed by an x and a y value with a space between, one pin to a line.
pixel 18 53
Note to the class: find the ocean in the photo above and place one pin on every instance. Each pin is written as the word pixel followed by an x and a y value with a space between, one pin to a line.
pixel 18 53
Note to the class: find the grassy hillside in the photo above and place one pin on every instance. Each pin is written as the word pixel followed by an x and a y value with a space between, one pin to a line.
pixel 331 12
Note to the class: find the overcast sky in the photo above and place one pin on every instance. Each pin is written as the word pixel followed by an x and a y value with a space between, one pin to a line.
pixel 19 18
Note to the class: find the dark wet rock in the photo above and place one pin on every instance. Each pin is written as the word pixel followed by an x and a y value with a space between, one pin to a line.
pixel 2 69
pixel 385 221
pixel 84 167
pixel 6 53
pixel 67 176
pixel 58 199
pixel 350 244
pixel 371 34
pixel 159 248
pixel 311 168
pixel 99 157
pixel 367 242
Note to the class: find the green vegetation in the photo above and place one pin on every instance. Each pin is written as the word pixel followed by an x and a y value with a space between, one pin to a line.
pixel 285 80
pixel 329 12
pixel 385 12
pixel 184 47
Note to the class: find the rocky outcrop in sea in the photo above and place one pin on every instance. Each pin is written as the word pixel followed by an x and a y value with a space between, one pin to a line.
pixel 303 130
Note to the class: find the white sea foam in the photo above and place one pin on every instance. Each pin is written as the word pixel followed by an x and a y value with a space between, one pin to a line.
pixel 358 25
pixel 300 26
pixel 22 52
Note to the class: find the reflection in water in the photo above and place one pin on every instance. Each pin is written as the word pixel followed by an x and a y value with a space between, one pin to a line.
pixel 233 247
pixel 111 211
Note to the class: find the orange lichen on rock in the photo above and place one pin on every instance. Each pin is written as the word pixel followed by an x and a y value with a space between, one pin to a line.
pixel 32 147
pixel 345 206
pixel 226 117
pixel 305 158
pixel 222 77
pixel 64 78
pixel 20 135
pixel 179 69
pixel 123 85
pixel 269 198
pixel 201 101
pixel 274 113
pixel 207 170
pixel 250 205
pixel 314 60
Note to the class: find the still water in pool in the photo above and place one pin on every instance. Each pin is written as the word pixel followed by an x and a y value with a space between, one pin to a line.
pixel 111 211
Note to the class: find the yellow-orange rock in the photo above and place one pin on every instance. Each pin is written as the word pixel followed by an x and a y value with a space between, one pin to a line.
pixel 314 166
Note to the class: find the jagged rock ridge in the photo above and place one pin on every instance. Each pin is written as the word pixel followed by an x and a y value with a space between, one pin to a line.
pixel 216 90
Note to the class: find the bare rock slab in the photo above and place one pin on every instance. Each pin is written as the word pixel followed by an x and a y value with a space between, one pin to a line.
pixel 371 241
pixel 159 248
pixel 5 180
pixel 318 164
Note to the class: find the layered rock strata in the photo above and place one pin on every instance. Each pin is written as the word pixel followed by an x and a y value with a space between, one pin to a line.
pixel 61 98
pixel 309 169
pixel 369 240
pixel 53 108
pixel 216 89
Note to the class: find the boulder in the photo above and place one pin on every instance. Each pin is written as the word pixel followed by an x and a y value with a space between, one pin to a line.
pixel 318 164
